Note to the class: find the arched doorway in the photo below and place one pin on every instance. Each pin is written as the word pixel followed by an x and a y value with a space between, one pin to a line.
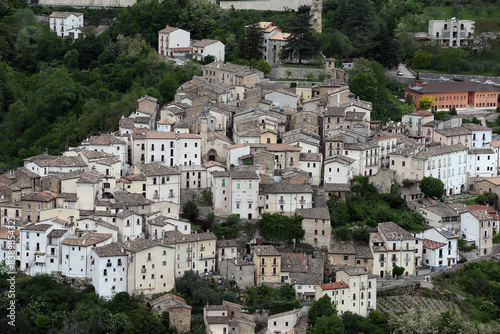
pixel 462 188
pixel 451 191
pixel 212 155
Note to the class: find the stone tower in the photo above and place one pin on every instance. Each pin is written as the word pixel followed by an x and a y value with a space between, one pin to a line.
pixel 316 11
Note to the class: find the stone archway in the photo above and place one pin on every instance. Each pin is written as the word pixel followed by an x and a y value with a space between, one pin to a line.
pixel 212 155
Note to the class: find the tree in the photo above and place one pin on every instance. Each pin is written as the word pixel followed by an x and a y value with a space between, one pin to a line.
pixel 409 99
pixel 425 102
pixel 301 43
pixel 329 325
pixel 168 86
pixel 422 59
pixel 208 59
pixel 321 308
pixel 309 76
pixel 361 234
pixel 456 9
pixel 344 233
pixel 280 228
pixel 483 32
pixel 251 44
pixel 289 73
pixel 453 111
pixel 190 211
pixel 232 219
pixel 406 183
pixel 364 86
pixel 398 271
pixel 432 187
pixel 263 66
pixel 449 57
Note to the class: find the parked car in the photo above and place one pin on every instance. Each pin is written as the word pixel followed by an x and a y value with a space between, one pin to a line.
pixel 475 80
pixel 489 82
pixel 444 79
pixel 458 79
pixel 400 73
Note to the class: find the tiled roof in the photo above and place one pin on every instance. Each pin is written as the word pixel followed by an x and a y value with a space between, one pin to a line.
pixel 424 113
pixel 139 244
pixel 168 30
pixel 215 307
pixel 57 233
pixel 112 249
pixel 293 262
pixel 6 233
pixel 221 174
pixel 136 177
pixel 127 123
pixel 88 239
pixel 170 135
pixel 354 116
pixel 236 69
pixel 277 147
pixel 90 177
pixel 281 36
pixel 393 232
pixel 165 121
pixel 480 215
pixel 456 131
pixel 334 286
pixel 64 15
pixel 279 315
pixel 244 175
pixel 217 320
pixel 265 250
pixel 342 159
pixel 37 227
pixel 204 42
pixel 310 157
pixel 96 154
pixel 427 243
pixel 69 197
pixel 106 140
pixel 343 248
pixel 481 151
pixel 175 237
pixel 475 127
pixel 227 243
pixel 360 146
pixel 283 187
pixel 68 175
pixel 440 150
pixel 352 271
pixel 131 199
pixel 45 160
pixel 363 252
pixel 28 172
pixel 156 169
pixel 314 213
pixel 38 197
pixel 335 111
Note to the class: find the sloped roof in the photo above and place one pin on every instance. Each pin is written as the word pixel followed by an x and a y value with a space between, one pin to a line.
pixel 452 87
pixel 334 286
pixel 427 243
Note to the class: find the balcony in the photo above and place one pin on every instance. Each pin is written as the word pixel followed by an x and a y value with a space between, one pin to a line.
pixel 281 201
pixel 394 258
pixel 189 250
pixel 250 200
pixel 302 201
pixel 202 248
pixel 238 200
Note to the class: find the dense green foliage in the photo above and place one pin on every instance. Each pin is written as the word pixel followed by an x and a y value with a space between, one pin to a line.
pixel 190 211
pixel 277 228
pixel 44 306
pixel 432 187
pixel 301 43
pixel 479 282
pixel 274 300
pixel 366 206
pixel 321 308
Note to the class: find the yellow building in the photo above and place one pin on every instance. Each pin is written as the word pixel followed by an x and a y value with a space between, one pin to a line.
pixel 267 261
pixel 392 246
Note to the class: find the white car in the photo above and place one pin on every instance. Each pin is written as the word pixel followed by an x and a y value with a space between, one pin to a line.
pixel 489 82
pixel 475 80
pixel 444 79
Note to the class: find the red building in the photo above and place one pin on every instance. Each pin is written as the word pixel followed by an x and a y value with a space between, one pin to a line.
pixel 461 95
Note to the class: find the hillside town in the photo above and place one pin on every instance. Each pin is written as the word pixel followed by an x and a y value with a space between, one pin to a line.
pixel 245 182
pixel 110 210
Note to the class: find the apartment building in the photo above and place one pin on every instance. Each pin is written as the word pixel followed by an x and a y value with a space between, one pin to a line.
pixel 317 227
pixel 477 230
pixel 392 246
pixel 174 42
pixel 284 198
pixel 110 268
pixel 162 182
pixel 151 266
pixel 267 261
pixel 452 32
pixel 64 23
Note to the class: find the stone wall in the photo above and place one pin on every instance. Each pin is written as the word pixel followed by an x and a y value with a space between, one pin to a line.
pixel 276 5
pixel 297 72
pixel 86 3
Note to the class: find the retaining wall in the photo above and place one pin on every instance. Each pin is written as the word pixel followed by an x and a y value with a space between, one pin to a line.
pixel 297 72
pixel 275 5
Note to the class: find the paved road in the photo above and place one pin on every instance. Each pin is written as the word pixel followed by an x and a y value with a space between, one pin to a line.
pixel 406 72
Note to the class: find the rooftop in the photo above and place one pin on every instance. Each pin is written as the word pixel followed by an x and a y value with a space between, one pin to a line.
pixel 393 232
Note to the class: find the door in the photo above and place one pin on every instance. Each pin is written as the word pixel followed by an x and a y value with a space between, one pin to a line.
pixel 381 273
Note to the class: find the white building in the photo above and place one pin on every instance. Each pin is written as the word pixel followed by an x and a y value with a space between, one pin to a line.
pixel 439 248
pixel 162 182
pixel 477 230
pixel 482 162
pixel 312 163
pixel 366 156
pixel 451 32
pixel 167 148
pixel 208 47
pixel 110 268
pixel 174 42
pixel 284 198
pixel 77 255
pixel 338 169
pixel 62 22
pixel 481 136
pixel 44 164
